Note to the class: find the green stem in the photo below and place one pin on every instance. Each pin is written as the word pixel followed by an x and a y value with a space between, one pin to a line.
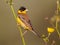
pixel 18 26
pixel 22 35
pixel 57 26
pixel 57 18
pixel 48 35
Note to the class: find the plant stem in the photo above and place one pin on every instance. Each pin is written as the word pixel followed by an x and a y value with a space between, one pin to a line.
pixel 18 26
pixel 57 26
pixel 22 35
pixel 57 18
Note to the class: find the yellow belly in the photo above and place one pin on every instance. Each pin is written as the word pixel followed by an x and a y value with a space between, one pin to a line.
pixel 21 23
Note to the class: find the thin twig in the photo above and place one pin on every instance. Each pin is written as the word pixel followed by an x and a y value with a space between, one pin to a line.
pixel 15 16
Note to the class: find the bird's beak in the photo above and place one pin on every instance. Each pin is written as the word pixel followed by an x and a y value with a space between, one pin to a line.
pixel 26 9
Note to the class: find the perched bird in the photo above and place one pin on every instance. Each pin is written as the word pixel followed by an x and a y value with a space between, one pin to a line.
pixel 24 21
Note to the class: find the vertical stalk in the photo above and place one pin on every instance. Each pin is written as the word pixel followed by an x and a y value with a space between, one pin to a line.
pixel 57 26
pixel 57 17
pixel 18 26
pixel 15 16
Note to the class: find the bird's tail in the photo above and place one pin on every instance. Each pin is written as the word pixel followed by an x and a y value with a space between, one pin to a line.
pixel 35 33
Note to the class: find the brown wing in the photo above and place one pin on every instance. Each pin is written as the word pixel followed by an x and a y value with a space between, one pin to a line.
pixel 26 20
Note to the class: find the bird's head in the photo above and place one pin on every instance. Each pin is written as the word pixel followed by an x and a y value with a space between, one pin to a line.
pixel 22 10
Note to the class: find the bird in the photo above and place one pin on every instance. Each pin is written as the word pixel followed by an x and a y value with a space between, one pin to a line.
pixel 24 21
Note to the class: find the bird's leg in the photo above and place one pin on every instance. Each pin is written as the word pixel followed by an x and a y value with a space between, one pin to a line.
pixel 24 32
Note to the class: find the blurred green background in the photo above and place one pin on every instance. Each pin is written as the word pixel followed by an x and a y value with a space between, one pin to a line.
pixel 38 10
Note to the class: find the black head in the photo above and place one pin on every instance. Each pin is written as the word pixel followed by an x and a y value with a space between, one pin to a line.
pixel 22 8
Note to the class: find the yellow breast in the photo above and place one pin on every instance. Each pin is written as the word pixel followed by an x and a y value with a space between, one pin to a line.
pixel 21 23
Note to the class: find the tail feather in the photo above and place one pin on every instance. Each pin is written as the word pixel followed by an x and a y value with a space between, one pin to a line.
pixel 35 33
